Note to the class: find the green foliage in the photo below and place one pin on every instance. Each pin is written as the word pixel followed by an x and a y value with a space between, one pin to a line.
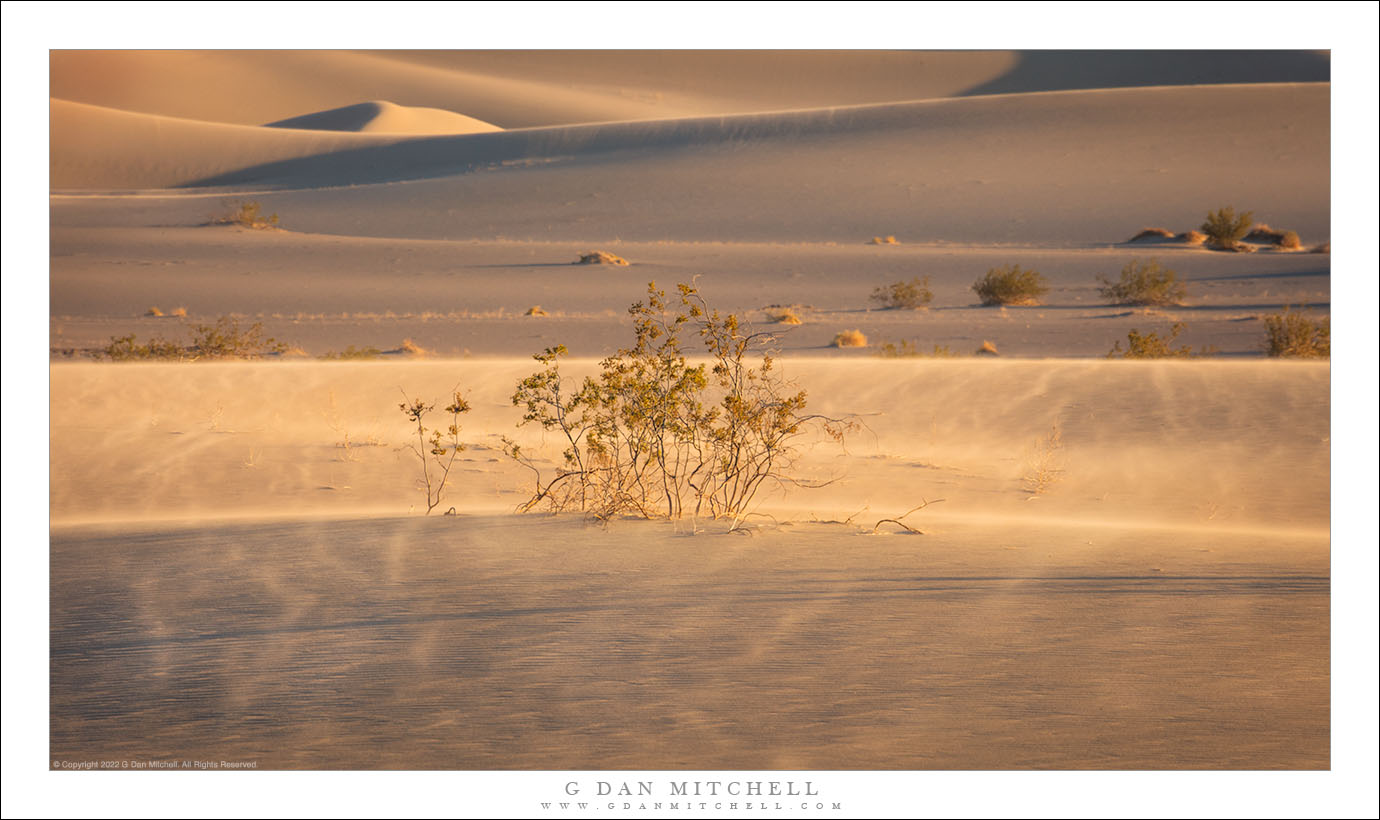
pixel 1009 285
pixel 909 350
pixel 1294 335
pixel 226 340
pixel 911 295
pixel 127 348
pixel 1152 346
pixel 651 435
pixel 436 447
pixel 352 352
pixel 1224 228
pixel 1144 283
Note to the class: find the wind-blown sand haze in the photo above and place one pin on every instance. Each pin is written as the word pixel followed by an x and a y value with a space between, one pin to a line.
pixel 1122 564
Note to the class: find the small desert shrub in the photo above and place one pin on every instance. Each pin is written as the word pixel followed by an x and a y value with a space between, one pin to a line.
pixel 909 350
pixel 1152 234
pixel 783 316
pixel 653 436
pixel 1152 346
pixel 1009 285
pixel 1192 237
pixel 884 240
pixel 153 311
pixel 442 444
pixel 248 214
pixel 1289 241
pixel 911 295
pixel 127 349
pixel 849 338
pixel 1224 228
pixel 178 311
pixel 1294 335
pixel 1284 240
pixel 535 310
pixel 226 340
pixel 1325 247
pixel 986 349
pixel 600 258
pixel 354 353
pixel 1143 283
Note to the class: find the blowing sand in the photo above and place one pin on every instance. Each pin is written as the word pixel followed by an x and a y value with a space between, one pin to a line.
pixel 1125 565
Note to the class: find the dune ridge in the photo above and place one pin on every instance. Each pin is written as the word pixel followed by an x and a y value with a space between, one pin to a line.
pixel 383 117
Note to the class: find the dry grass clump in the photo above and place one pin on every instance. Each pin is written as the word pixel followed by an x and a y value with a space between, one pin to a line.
pixel 1324 247
pixel 1152 234
pixel 1225 228
pixel 986 349
pixel 849 338
pixel 1294 335
pixel 223 340
pixel 1192 237
pixel 178 311
pixel 535 310
pixel 128 349
pixel 884 240
pixel 153 311
pixel 912 295
pixel 1143 283
pixel 1152 346
pixel 247 214
pixel 1009 285
pixel 600 258
pixel 783 316
pixel 909 350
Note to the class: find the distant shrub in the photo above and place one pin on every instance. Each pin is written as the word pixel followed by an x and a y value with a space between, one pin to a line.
pixel 1192 237
pixel 127 348
pixel 248 214
pixel 600 258
pixel 1009 285
pixel 178 311
pixel 1143 283
pixel 1294 335
pixel 226 340
pixel 986 349
pixel 1152 346
pixel 1224 228
pixel 153 311
pixel 850 338
pixel 1325 247
pixel 783 316
pixel 911 295
pixel 355 353
pixel 411 348
pixel 884 240
pixel 536 310
pixel 1284 240
pixel 909 350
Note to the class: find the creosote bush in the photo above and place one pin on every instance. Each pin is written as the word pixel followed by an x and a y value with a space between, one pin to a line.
pixel 911 295
pixel 1153 346
pixel 223 340
pixel 436 447
pixel 1224 228
pixel 653 436
pixel 1009 285
pixel 1144 283
pixel 1294 335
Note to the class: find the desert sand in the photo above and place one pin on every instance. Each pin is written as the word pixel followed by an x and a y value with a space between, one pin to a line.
pixel 240 560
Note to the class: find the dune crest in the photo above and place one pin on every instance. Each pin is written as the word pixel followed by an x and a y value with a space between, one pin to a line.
pixel 383 117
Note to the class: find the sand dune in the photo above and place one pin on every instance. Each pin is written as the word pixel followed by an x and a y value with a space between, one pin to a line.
pixel 383 117
pixel 1142 156
pixel 518 89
